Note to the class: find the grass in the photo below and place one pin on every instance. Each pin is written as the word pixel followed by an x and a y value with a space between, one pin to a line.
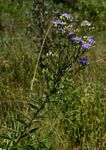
pixel 87 96
pixel 76 117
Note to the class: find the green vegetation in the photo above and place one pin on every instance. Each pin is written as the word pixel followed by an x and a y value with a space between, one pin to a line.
pixel 49 115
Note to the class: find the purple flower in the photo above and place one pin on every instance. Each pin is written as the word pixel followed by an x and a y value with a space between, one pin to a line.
pixel 77 40
pixel 70 26
pixel 68 16
pixel 58 22
pixel 91 40
pixel 91 37
pixel 70 33
pixel 61 29
pixel 86 46
pixel 83 61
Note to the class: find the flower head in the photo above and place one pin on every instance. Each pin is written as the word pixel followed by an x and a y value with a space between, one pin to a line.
pixel 83 61
pixel 91 40
pixel 58 22
pixel 70 33
pixel 61 29
pixel 86 23
pixel 66 15
pixel 77 40
pixel 70 26
pixel 86 46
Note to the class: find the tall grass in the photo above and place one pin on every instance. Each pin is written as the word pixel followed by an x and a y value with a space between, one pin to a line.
pixel 75 117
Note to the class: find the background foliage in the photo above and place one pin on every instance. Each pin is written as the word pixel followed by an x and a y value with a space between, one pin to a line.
pixel 75 118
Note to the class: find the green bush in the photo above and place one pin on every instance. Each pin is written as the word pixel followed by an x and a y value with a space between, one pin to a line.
pixel 93 10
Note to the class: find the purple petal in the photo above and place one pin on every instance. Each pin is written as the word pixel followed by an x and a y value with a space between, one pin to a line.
pixel 70 33
pixel 86 46
pixel 77 40
pixel 58 22
pixel 66 15
pixel 61 29
pixel 70 26
pixel 91 37
pixel 91 40
pixel 83 61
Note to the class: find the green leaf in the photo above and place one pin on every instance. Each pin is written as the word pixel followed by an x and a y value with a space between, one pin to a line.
pixel 8 128
pixel 5 137
pixel 23 115
pixel 21 121
pixel 28 147
pixel 33 106
pixel 3 146
pixel 33 130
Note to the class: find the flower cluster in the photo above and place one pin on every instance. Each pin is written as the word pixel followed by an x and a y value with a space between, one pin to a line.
pixel 64 23
pixel 67 25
